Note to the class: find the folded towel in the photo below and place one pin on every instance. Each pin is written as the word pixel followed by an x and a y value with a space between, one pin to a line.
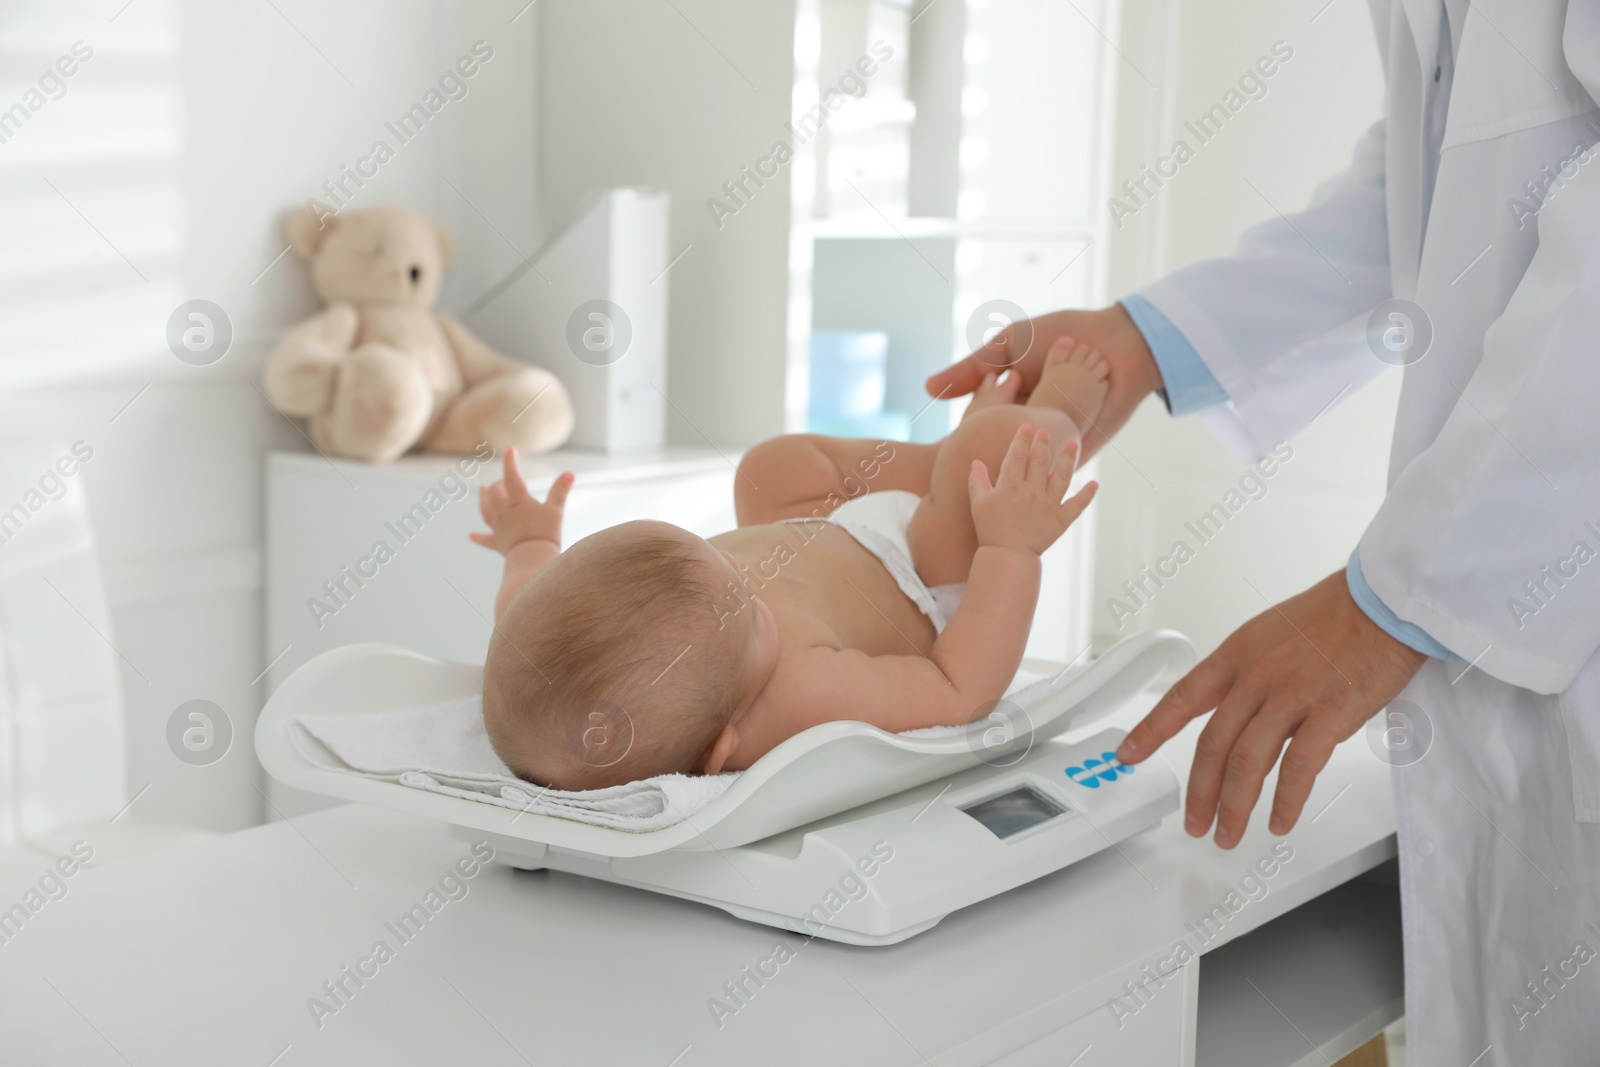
pixel 444 748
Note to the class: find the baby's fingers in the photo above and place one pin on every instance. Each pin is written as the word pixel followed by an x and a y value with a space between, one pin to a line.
pixel 516 489
pixel 1061 473
pixel 1039 459
pixel 484 539
pixel 1073 506
pixel 978 484
pixel 1014 468
pixel 557 497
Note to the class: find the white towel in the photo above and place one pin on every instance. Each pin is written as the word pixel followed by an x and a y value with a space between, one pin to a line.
pixel 444 748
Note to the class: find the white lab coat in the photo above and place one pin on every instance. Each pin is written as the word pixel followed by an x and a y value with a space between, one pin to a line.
pixel 1494 476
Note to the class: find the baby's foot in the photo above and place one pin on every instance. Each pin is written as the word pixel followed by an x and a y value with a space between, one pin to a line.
pixel 992 393
pixel 1073 382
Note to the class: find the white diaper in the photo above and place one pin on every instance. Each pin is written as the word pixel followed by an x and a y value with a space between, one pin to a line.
pixel 879 521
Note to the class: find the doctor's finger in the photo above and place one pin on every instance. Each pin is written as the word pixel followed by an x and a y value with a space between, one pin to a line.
pixel 1214 753
pixel 959 379
pixel 1195 694
pixel 1309 752
pixel 1003 352
pixel 1251 760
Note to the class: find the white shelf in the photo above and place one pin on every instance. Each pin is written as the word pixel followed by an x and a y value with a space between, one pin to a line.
pixel 1261 1003
pixel 591 466
pixel 857 227
pixel 874 226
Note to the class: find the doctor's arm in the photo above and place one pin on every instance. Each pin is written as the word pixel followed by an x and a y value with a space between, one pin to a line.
pixel 1475 548
pixel 1257 321
pixel 1340 619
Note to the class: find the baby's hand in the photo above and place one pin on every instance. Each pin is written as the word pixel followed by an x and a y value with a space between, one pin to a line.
pixel 514 516
pixel 1024 509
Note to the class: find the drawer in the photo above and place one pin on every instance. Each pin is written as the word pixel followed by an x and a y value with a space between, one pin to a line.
pixel 1143 1029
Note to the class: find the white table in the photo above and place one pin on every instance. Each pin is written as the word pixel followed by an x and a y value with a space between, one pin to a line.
pixel 209 954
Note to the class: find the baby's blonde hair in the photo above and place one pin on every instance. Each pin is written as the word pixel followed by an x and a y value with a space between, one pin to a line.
pixel 574 694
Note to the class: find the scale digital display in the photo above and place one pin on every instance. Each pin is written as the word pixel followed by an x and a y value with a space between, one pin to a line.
pixel 1013 812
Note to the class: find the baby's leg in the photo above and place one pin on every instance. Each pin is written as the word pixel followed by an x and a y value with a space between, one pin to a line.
pixel 1071 389
pixel 1073 382
pixel 942 537
pixel 802 474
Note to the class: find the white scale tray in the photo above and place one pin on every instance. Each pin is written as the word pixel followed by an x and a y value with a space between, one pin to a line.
pixel 772 846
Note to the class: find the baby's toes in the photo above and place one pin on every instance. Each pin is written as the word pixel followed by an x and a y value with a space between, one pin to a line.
pixel 1060 352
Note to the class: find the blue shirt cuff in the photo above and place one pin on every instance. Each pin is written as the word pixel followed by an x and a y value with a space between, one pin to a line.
pixel 1409 634
pixel 1188 384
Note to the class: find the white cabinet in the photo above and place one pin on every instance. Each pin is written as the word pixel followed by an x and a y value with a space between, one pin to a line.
pixel 433 590
pixel 1152 1026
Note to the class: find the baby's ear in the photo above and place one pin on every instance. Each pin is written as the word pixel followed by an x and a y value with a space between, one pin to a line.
pixel 721 750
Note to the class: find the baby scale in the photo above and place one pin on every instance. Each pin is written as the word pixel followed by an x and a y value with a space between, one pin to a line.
pixel 844 831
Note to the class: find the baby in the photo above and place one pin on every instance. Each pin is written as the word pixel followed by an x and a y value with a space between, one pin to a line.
pixel 888 583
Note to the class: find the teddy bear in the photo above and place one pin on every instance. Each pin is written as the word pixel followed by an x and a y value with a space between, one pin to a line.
pixel 379 371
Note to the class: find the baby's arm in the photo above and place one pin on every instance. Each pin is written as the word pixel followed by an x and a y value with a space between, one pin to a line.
pixel 524 531
pixel 977 655
pixel 1017 519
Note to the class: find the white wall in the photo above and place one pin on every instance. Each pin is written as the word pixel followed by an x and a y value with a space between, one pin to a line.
pixel 693 91
pixel 1181 57
pixel 243 110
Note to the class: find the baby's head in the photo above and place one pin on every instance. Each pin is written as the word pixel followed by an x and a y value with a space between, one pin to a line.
pixel 625 658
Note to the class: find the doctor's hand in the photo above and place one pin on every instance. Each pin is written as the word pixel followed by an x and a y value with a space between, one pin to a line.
pixel 1310 672
pixel 1021 347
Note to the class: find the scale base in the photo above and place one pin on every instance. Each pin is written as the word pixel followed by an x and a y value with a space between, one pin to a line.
pixel 889 870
